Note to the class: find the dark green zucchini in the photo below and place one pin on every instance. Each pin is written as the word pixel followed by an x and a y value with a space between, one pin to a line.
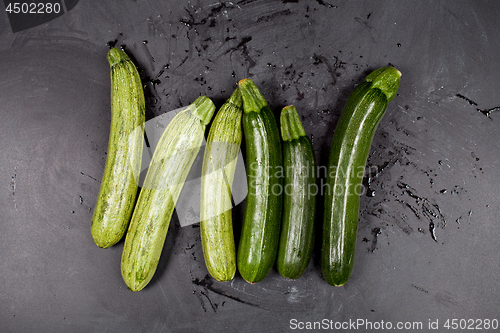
pixel 173 157
pixel 119 185
pixel 259 239
pixel 219 164
pixel 346 166
pixel 299 204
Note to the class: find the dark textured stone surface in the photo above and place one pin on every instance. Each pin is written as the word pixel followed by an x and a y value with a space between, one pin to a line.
pixel 429 224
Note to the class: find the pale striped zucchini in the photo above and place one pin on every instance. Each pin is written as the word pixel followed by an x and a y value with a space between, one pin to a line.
pixel 219 164
pixel 173 157
pixel 119 185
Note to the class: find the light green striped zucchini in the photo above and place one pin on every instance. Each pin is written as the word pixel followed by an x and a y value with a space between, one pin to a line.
pixel 219 164
pixel 119 185
pixel 173 157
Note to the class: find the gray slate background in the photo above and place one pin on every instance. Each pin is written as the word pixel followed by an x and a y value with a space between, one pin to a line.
pixel 429 226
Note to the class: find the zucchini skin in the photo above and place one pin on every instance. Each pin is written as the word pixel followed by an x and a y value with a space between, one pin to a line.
pixel 172 159
pixel 347 161
pixel 259 239
pixel 299 204
pixel 118 191
pixel 219 164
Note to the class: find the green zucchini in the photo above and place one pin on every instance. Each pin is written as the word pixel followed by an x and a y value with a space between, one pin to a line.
pixel 173 157
pixel 219 164
pixel 259 239
pixel 299 204
pixel 119 185
pixel 346 166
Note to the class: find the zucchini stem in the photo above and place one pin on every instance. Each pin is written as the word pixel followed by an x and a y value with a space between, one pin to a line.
pixel 253 100
pixel 291 127
pixel 386 79
pixel 116 56
pixel 203 109
pixel 236 98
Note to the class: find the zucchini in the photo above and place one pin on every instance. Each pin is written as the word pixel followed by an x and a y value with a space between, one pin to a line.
pixel 299 204
pixel 219 164
pixel 346 166
pixel 119 185
pixel 259 239
pixel 174 155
